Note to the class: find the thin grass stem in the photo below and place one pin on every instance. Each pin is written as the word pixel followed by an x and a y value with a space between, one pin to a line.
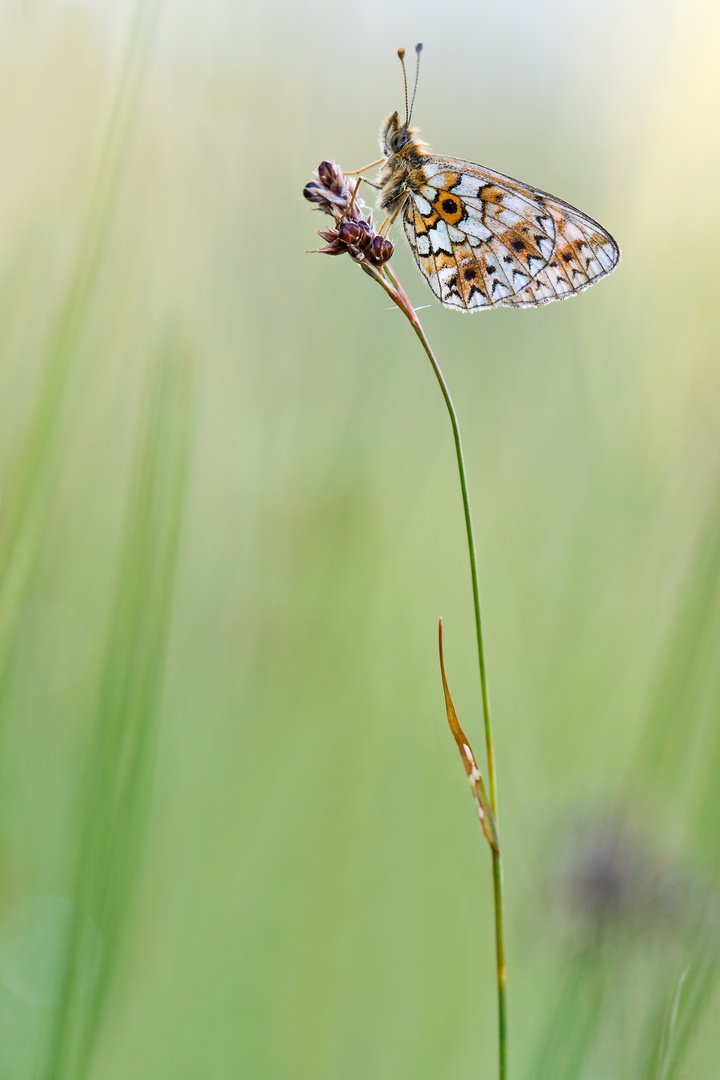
pixel 399 297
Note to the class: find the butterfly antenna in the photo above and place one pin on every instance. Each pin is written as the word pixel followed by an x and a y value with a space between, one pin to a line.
pixel 401 56
pixel 418 50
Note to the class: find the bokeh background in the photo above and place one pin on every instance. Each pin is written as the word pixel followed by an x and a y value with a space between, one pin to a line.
pixel 235 838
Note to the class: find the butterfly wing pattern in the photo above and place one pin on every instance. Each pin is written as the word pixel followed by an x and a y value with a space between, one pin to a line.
pixel 482 239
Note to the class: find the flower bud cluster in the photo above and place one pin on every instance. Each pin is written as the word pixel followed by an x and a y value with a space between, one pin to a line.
pixel 352 234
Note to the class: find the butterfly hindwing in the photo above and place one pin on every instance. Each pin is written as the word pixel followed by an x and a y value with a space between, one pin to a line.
pixel 482 239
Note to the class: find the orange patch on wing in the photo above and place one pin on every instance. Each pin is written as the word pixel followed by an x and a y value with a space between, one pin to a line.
pixel 490 193
pixel 470 280
pixel 424 222
pixel 426 264
pixel 521 245
pixel 566 258
pixel 449 207
pixel 442 260
pixel 598 239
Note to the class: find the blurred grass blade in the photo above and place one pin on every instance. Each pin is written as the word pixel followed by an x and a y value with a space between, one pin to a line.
pixel 572 1025
pixel 686 701
pixel 693 998
pixel 26 487
pixel 114 801
pixel 665 1045
pixel 482 803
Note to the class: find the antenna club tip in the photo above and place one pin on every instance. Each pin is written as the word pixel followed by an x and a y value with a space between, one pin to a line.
pixel 419 47
pixel 401 54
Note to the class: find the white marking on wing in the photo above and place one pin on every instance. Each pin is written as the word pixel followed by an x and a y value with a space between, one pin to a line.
pixel 422 204
pixel 469 186
pixel 546 246
pixel 444 273
pixel 431 169
pixel 606 256
pixel 439 239
pixel 473 227
pixel 473 210
pixel 515 204
pixel 520 279
pixel 499 290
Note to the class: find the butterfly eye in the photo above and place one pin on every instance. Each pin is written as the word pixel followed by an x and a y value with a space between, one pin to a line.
pixel 398 139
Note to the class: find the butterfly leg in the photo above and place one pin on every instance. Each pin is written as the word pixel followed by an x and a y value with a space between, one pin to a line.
pixel 356 172
pixel 389 221
pixel 352 200
pixel 360 180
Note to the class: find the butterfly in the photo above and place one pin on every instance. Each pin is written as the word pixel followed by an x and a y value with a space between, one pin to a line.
pixel 480 238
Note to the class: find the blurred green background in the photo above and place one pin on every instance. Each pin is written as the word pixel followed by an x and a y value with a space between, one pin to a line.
pixel 235 838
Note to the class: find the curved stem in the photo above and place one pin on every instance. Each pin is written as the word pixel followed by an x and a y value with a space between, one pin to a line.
pixel 397 294
pixel 492 786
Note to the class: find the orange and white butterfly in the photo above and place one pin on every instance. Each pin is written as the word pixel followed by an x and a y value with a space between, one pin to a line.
pixel 480 238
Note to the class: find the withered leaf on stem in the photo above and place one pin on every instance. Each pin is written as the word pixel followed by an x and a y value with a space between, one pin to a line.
pixel 482 803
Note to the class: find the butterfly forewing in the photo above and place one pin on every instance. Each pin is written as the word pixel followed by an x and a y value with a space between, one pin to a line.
pixel 482 239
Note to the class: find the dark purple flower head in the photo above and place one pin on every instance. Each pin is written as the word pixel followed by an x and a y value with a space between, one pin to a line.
pixel 354 233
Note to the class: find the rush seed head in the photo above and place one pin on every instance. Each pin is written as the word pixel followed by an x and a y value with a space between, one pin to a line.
pixel 354 232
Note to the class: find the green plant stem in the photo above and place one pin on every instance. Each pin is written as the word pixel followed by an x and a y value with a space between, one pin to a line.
pixel 397 294
pixel 492 787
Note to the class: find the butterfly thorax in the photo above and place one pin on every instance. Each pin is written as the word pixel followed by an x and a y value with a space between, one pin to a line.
pixel 402 169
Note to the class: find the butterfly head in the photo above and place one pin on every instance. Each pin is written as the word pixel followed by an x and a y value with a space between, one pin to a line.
pixel 395 135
